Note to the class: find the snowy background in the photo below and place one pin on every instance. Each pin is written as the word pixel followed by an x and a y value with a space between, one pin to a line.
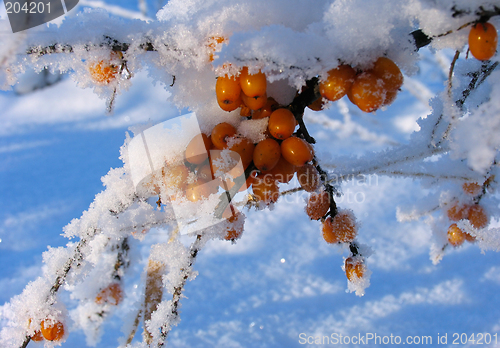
pixel 280 280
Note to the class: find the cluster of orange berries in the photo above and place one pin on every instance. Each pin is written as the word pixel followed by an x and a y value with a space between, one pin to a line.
pixel 341 228
pixel 276 160
pixel 207 166
pixel 483 40
pixel 248 91
pixel 281 154
pixel 473 212
pixel 337 227
pixel 369 90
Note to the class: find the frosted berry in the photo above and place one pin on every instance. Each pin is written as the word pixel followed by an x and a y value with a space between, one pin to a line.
pixel 52 331
pixel 283 171
pixel 472 188
pixel 458 211
pixel 253 85
pixel 477 216
pixel 236 226
pixel 201 190
pixel 112 294
pixel 37 336
pixel 308 177
pixel 341 229
pixel 337 83
pixel 456 236
pixel 367 92
pixel 483 40
pixel 354 268
pixel 103 72
pixel 265 189
pixel 318 205
pixel 198 148
pixel 389 72
pixel 221 134
pixel 175 177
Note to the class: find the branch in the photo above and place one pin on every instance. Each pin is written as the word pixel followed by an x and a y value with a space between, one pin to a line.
pixel 176 297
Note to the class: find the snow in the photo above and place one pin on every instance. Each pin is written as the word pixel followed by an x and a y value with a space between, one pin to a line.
pixel 397 170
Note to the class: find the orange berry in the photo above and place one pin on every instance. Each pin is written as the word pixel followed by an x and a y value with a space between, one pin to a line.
pixel 308 177
pixel 243 147
pixel 236 229
pixel 103 72
pixel 390 97
pixel 266 110
pixel 282 172
pixel 230 106
pixel 112 294
pixel 198 148
pixel 341 229
pixel 52 331
pixel 338 82
pixel 456 236
pixel 266 154
pixel 458 211
pixel 317 105
pixel 367 92
pixel 389 72
pixel 245 111
pixel 477 216
pixel 318 205
pixel 204 172
pixel 175 176
pixel 281 123
pixel 228 92
pixel 224 162
pixel 201 189
pixel 354 268
pixel 472 188
pixel 254 103
pixel 265 189
pixel 483 40
pixel 221 133
pixel 37 336
pixel 253 85
pixel 297 151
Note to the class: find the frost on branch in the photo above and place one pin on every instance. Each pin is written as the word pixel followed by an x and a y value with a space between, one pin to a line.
pixel 355 48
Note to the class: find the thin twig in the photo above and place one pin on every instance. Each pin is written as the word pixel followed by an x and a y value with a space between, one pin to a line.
pixel 450 74
pixel 176 297
pixel 134 327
